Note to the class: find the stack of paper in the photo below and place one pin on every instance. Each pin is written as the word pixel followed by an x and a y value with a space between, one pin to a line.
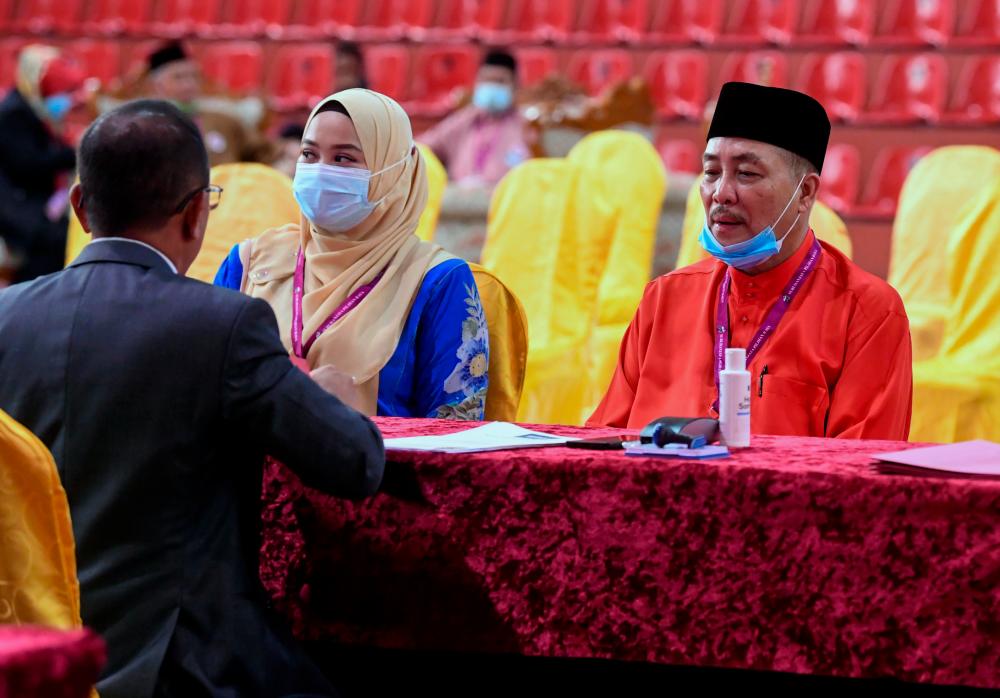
pixel 965 459
pixel 496 436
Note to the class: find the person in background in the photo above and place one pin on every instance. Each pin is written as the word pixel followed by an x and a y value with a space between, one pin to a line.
pixel 173 75
pixel 36 162
pixel 349 71
pixel 286 148
pixel 481 142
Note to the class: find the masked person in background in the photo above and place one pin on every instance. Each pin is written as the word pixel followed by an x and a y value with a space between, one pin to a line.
pixel 480 143
pixel 391 325
pixel 36 161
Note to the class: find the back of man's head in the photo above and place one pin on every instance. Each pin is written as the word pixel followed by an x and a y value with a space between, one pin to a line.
pixel 139 165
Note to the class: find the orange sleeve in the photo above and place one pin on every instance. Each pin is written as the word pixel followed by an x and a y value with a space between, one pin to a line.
pixel 873 398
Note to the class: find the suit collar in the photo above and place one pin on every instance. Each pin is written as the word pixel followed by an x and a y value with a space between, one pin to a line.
pixel 124 251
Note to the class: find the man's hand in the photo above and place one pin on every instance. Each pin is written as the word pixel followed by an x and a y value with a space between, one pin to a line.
pixel 338 384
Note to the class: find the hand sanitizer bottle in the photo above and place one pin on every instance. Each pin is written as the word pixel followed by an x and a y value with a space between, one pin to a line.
pixel 734 400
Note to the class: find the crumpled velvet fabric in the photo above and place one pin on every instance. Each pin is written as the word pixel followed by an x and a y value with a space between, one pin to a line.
pixel 37 661
pixel 793 555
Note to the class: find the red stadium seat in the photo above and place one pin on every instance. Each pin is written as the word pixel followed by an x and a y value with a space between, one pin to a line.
pixel 6 14
pixel 461 19
pixel 388 70
pixel 836 22
pixel 978 24
pixel 680 155
pixel 909 89
pixel 99 58
pixel 841 177
pixel 256 18
pixel 837 80
pixel 391 20
pixel 596 71
pixel 608 21
pixel 678 81
pixel 113 17
pixel 768 68
pixel 886 177
pixel 441 74
pixel 9 50
pixel 47 16
pixel 180 18
pixel 314 19
pixel 300 75
pixel 537 20
pixel 915 22
pixel 682 21
pixel 535 64
pixel 237 66
pixel 976 99
pixel 761 21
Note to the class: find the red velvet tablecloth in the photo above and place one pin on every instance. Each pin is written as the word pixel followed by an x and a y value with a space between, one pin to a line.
pixel 47 662
pixel 793 555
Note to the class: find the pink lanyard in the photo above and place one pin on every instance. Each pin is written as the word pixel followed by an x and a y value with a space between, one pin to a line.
pixel 349 304
pixel 771 320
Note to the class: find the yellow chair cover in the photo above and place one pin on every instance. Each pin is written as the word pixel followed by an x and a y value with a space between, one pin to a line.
pixel 508 345
pixel 827 225
pixel 634 183
pixel 930 212
pixel 38 584
pixel 547 238
pixel 437 181
pixel 956 394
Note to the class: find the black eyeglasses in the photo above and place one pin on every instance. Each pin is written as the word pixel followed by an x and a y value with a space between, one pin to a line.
pixel 214 197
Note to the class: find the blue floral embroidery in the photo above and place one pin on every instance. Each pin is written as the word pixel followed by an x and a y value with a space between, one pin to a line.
pixel 469 378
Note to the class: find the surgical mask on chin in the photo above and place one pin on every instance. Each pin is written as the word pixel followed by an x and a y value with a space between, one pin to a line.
pixel 749 253
pixel 493 97
pixel 335 199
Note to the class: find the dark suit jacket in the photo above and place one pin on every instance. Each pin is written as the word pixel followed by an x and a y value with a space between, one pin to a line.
pixel 158 396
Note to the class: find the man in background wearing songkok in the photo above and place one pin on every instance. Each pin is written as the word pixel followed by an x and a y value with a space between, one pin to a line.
pixel 828 345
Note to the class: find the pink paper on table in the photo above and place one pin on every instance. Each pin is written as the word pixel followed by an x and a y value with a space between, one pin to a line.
pixel 969 458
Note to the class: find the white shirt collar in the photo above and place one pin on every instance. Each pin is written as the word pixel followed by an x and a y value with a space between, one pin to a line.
pixel 166 259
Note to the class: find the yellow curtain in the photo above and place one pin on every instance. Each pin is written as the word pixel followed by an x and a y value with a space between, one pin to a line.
pixel 929 214
pixel 956 394
pixel 633 182
pixel 827 225
pixel 508 345
pixel 38 583
pixel 547 238
pixel 437 181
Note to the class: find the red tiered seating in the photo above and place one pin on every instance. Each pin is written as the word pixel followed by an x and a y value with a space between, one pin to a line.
pixel 760 21
pixel 391 20
pixel 388 70
pixel 606 21
pixel 318 18
pixel 535 64
pixel 976 99
pixel 837 80
pixel 6 14
pixel 978 24
pixel 440 73
pixel 598 70
pixel 886 177
pixel 759 67
pixel 678 81
pixel 300 75
pixel 909 89
pixel 841 177
pixel 680 155
pixel 9 50
pixel 681 21
pixel 914 22
pixel 836 22
pixel 113 17
pixel 462 19
pixel 99 58
pixel 179 18
pixel 537 20
pixel 238 66
pixel 252 18
pixel 47 16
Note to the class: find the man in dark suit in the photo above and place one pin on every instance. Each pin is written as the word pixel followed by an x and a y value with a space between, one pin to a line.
pixel 159 396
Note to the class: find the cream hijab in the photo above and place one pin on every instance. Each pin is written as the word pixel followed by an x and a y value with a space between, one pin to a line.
pixel 336 264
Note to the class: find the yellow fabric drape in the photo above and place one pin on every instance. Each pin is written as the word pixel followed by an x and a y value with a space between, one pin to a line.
pixel 824 221
pixel 634 182
pixel 38 584
pixel 255 197
pixel 547 238
pixel 931 213
pixel 437 181
pixel 508 329
pixel 956 394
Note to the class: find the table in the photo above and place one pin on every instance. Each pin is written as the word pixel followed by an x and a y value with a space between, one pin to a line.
pixel 37 661
pixel 791 556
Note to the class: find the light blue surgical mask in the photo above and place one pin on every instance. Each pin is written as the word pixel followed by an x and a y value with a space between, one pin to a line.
pixel 57 106
pixel 493 97
pixel 749 253
pixel 335 199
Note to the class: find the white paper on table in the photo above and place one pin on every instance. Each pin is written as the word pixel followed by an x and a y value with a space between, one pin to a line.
pixel 495 436
pixel 971 458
